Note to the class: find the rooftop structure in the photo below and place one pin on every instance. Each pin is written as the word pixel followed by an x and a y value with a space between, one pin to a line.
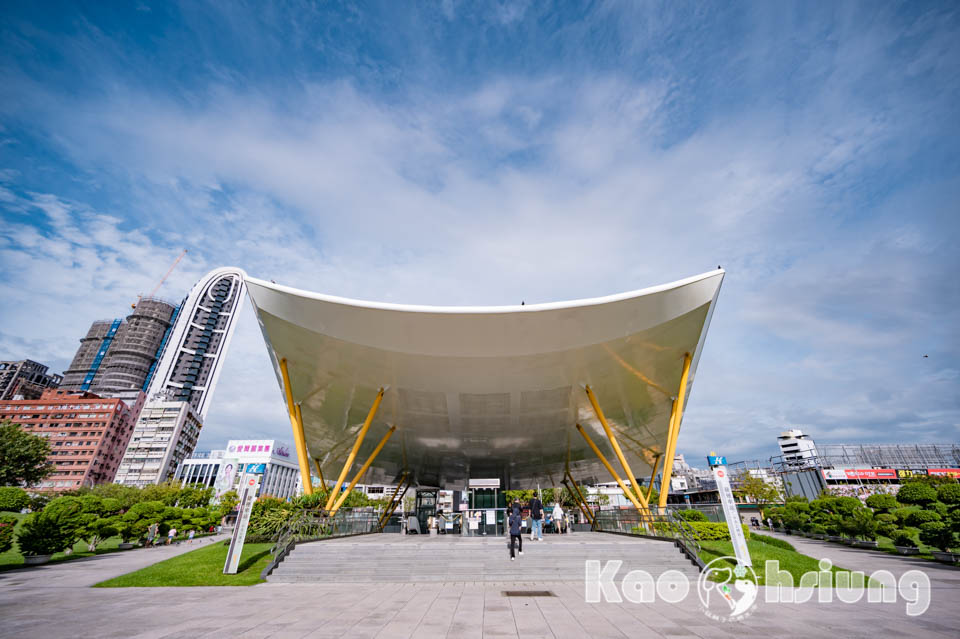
pixel 25 379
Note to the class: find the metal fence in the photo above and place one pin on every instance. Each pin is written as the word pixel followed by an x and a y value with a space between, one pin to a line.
pixel 660 525
pixel 314 525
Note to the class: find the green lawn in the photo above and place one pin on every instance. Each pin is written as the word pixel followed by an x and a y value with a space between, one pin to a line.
pixel 13 559
pixel 790 560
pixel 201 567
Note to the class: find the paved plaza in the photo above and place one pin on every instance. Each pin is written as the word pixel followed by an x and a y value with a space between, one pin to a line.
pixel 56 601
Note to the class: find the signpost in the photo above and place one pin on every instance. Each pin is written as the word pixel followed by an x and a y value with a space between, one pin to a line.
pixel 719 466
pixel 248 494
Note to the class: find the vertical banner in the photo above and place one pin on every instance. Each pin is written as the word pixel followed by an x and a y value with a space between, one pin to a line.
pixel 730 512
pixel 248 494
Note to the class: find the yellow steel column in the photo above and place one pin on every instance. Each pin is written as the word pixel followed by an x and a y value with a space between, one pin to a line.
pixel 579 498
pixel 353 452
pixel 298 438
pixel 388 510
pixel 323 484
pixel 623 487
pixel 653 475
pixel 363 469
pixel 674 432
pixel 616 446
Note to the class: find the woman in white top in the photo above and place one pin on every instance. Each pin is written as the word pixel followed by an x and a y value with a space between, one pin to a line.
pixel 557 517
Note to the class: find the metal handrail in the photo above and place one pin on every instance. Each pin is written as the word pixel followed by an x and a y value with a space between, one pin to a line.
pixel 663 525
pixel 315 524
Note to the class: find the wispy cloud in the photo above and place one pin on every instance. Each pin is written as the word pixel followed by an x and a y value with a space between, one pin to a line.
pixel 621 148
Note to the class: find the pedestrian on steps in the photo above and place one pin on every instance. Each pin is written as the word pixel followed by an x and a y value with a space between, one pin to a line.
pixel 536 519
pixel 515 536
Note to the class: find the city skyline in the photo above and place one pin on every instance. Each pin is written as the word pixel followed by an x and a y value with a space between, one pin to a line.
pixel 538 154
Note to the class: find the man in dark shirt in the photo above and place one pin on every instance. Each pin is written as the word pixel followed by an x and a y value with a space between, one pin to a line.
pixel 515 536
pixel 536 519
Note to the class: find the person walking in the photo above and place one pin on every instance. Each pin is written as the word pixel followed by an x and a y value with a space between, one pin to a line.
pixel 152 534
pixel 190 535
pixel 557 517
pixel 536 519
pixel 171 535
pixel 515 536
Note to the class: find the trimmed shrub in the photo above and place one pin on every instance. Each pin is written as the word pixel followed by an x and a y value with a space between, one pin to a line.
pixel 937 534
pixel 902 513
pixel 903 538
pixel 882 503
pixel 44 534
pixel 7 525
pixel 886 524
pixel 917 493
pixel 13 499
pixel 773 541
pixel 949 493
pixel 714 531
pixel 690 515
pixel 919 517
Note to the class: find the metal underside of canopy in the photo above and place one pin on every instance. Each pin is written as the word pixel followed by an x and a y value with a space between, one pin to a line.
pixel 486 392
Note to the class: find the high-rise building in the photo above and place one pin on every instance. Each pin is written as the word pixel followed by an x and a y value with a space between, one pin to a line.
pixel 87 434
pixel 25 379
pixel 165 434
pixel 796 448
pixel 184 377
pixel 192 356
pixel 119 355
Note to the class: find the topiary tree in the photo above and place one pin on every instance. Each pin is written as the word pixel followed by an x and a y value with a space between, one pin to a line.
pixel 915 492
pixel 13 499
pixel 903 538
pixel 937 534
pixel 886 524
pixel 919 517
pixel 882 503
pixel 8 524
pixel 862 524
pixel 127 496
pixel 52 530
pixel 949 494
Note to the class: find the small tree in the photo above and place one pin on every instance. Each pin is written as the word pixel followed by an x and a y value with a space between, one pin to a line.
pixel 8 524
pixel 52 530
pixel 13 499
pixel 756 491
pixel 23 456
pixel 882 503
pixel 228 501
pixel 862 524
pixel 916 492
pixel 937 534
pixel 949 494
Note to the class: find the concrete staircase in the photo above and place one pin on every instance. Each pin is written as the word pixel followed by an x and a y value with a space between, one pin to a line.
pixel 394 558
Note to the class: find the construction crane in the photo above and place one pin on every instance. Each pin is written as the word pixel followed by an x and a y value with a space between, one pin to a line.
pixel 162 280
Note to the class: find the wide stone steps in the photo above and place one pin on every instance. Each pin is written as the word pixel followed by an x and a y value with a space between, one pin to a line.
pixel 393 558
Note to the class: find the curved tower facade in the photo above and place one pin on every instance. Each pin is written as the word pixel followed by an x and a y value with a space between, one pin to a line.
pixel 190 363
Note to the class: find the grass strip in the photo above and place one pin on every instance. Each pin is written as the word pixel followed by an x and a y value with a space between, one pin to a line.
pixel 201 567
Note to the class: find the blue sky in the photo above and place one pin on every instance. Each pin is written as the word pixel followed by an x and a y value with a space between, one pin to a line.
pixel 484 153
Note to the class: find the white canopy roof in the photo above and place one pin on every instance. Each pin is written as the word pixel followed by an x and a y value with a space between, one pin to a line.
pixel 486 391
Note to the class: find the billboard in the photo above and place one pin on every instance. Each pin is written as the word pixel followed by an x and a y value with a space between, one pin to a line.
pixel 225 476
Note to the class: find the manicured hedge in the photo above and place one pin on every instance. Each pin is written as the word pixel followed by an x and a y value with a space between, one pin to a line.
pixel 714 531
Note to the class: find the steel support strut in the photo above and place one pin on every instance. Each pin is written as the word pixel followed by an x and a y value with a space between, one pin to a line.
pixel 596 451
pixel 616 447
pixel 578 497
pixel 392 504
pixel 653 474
pixel 353 452
pixel 376 451
pixel 675 418
pixel 296 423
